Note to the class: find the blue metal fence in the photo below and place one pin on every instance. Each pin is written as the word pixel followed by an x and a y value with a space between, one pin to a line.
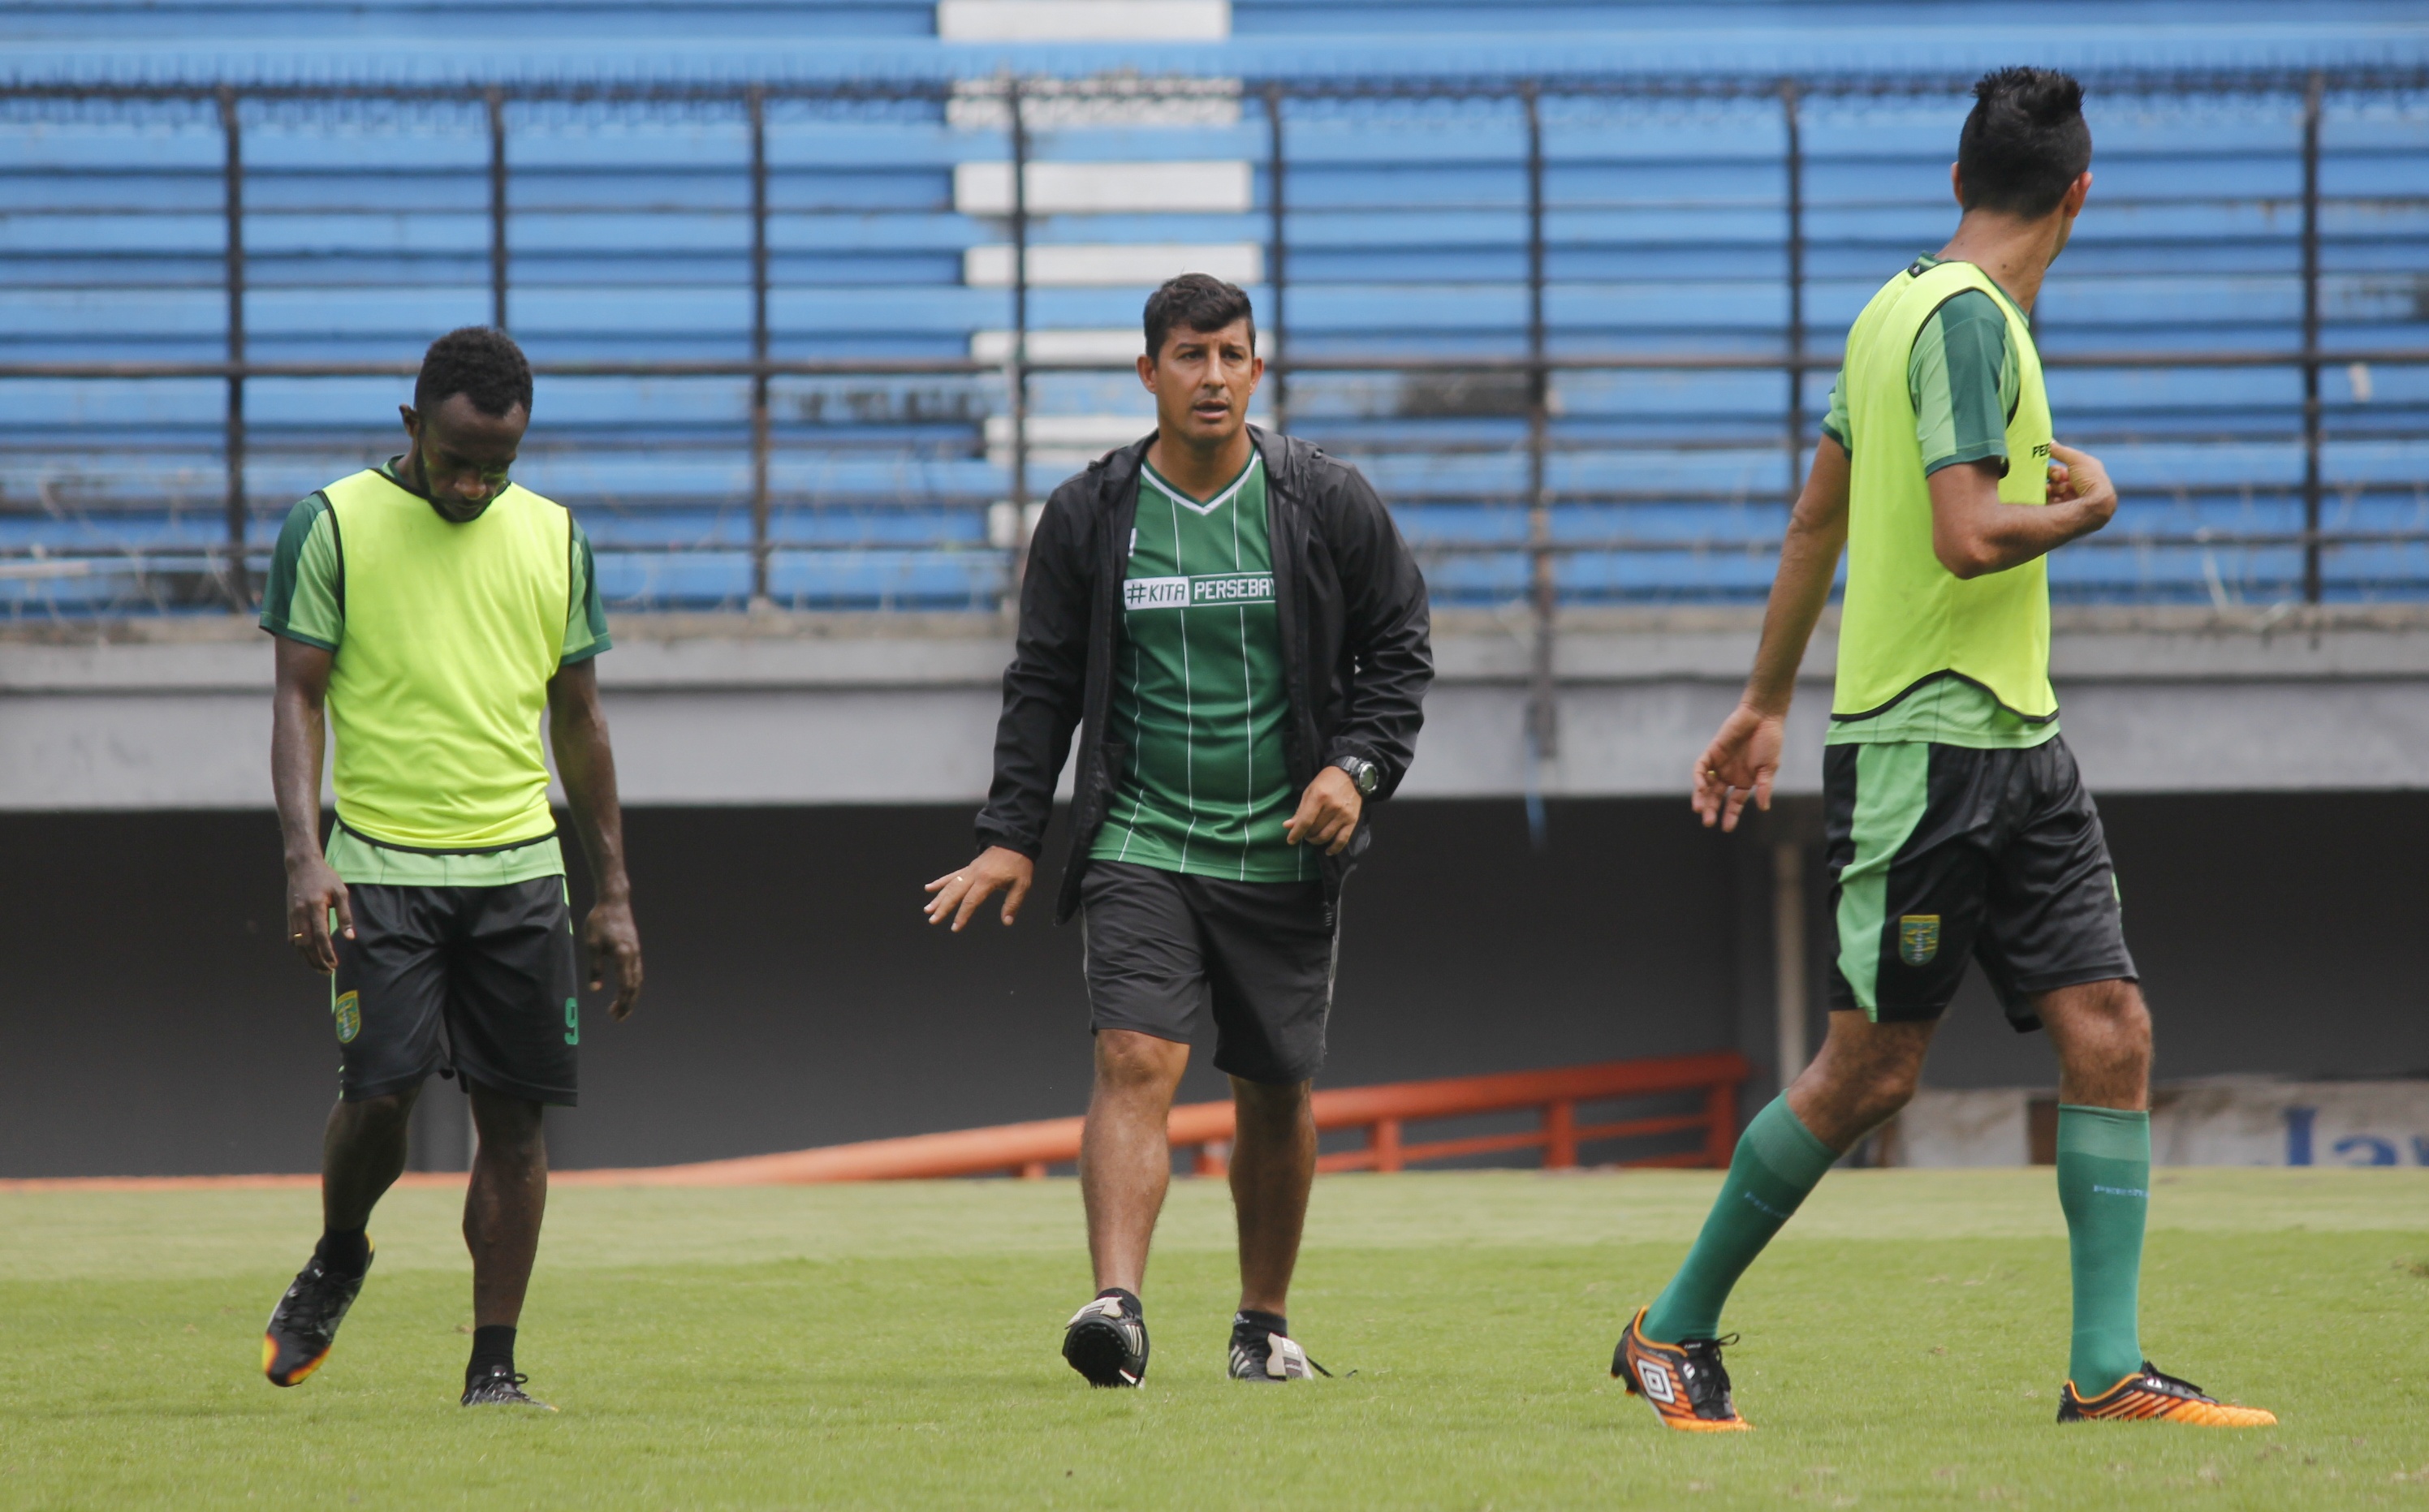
pixel 1578 329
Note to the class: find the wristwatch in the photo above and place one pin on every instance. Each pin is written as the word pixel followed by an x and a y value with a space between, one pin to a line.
pixel 1364 773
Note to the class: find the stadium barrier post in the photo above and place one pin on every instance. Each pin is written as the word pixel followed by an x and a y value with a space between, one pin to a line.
pixel 1277 275
pixel 1383 1140
pixel 1720 1123
pixel 1560 1136
pixel 2311 417
pixel 237 580
pixel 1543 589
pixel 496 100
pixel 1794 173
pixel 1017 370
pixel 757 103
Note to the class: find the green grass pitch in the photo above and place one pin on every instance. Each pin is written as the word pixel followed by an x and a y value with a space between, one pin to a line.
pixel 895 1346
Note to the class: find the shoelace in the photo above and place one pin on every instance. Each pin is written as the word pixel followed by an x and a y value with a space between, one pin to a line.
pixel 318 1295
pixel 2152 1374
pixel 1710 1377
pixel 496 1377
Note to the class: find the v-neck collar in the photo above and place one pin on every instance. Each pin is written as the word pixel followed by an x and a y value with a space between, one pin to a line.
pixel 1224 496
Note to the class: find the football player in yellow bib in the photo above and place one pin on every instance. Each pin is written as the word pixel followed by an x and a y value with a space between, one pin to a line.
pixel 1957 825
pixel 429 612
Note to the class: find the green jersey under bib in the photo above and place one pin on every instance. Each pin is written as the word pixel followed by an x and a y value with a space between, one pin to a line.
pixel 1199 697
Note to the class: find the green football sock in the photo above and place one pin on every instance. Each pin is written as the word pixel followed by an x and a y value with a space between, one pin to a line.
pixel 1778 1161
pixel 2103 1183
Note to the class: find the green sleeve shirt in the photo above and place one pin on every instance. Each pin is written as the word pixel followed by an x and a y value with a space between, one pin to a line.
pixel 305 596
pixel 1964 382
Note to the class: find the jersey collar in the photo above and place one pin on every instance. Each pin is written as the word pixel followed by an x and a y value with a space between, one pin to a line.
pixel 388 470
pixel 1229 490
pixel 1927 261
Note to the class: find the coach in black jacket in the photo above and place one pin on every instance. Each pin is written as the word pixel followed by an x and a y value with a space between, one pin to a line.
pixel 1233 625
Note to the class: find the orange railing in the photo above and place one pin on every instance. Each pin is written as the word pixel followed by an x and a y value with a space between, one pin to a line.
pixel 1383 1112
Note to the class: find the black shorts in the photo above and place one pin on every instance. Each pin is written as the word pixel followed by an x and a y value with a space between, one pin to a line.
pixel 476 980
pixel 1941 853
pixel 1160 942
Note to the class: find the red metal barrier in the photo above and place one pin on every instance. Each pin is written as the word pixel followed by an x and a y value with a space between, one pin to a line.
pixel 1384 1111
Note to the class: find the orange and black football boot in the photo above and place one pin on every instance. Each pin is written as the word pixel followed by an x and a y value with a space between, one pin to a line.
pixel 2152 1395
pixel 1685 1382
pixel 303 1325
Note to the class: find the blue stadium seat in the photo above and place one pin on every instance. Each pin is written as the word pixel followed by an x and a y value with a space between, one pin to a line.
pixel 629 239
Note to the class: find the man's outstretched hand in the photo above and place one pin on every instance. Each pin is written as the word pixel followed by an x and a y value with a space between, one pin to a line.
pixel 958 894
pixel 1739 765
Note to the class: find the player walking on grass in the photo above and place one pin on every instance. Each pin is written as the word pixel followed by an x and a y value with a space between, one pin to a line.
pixel 1956 823
pixel 429 610
pixel 1236 629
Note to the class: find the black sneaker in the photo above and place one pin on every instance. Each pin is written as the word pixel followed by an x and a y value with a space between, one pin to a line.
pixel 303 1325
pixel 1106 1341
pixel 1258 1353
pixel 502 1387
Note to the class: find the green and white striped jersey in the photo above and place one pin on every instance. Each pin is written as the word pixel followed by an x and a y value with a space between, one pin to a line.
pixel 1199 697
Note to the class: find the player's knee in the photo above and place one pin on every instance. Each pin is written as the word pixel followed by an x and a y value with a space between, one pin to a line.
pixel 1271 1103
pixel 1887 1089
pixel 384 1114
pixel 1130 1061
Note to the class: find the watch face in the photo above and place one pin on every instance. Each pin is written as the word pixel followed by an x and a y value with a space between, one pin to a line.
pixel 1368 778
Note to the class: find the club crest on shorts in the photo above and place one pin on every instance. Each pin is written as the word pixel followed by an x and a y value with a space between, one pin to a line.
pixel 348 1010
pixel 1918 938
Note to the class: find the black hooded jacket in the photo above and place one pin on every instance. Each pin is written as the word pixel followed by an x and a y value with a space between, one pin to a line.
pixel 1351 609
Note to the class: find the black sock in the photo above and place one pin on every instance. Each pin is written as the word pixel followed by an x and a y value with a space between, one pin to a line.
pixel 343 1252
pixel 1264 1322
pixel 1130 1300
pixel 493 1345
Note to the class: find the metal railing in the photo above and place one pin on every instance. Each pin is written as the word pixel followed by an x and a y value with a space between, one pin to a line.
pixel 1535 358
pixel 1382 1113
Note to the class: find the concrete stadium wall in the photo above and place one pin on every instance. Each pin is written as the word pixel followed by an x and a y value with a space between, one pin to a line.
pixel 155 1022
pixel 788 710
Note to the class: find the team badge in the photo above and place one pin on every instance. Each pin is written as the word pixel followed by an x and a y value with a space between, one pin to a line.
pixel 1918 938
pixel 349 1012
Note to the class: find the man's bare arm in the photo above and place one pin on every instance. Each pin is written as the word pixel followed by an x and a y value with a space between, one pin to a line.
pixel 577 729
pixel 298 734
pixel 1974 534
pixel 1743 756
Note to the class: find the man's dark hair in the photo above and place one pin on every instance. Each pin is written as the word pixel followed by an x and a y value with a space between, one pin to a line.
pixel 2024 143
pixel 480 362
pixel 1195 302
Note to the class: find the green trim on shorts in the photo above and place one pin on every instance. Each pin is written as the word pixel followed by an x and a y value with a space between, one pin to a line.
pixel 1892 784
pixel 357 859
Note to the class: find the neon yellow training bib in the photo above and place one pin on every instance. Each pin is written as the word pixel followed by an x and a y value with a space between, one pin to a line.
pixel 1906 619
pixel 452 634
